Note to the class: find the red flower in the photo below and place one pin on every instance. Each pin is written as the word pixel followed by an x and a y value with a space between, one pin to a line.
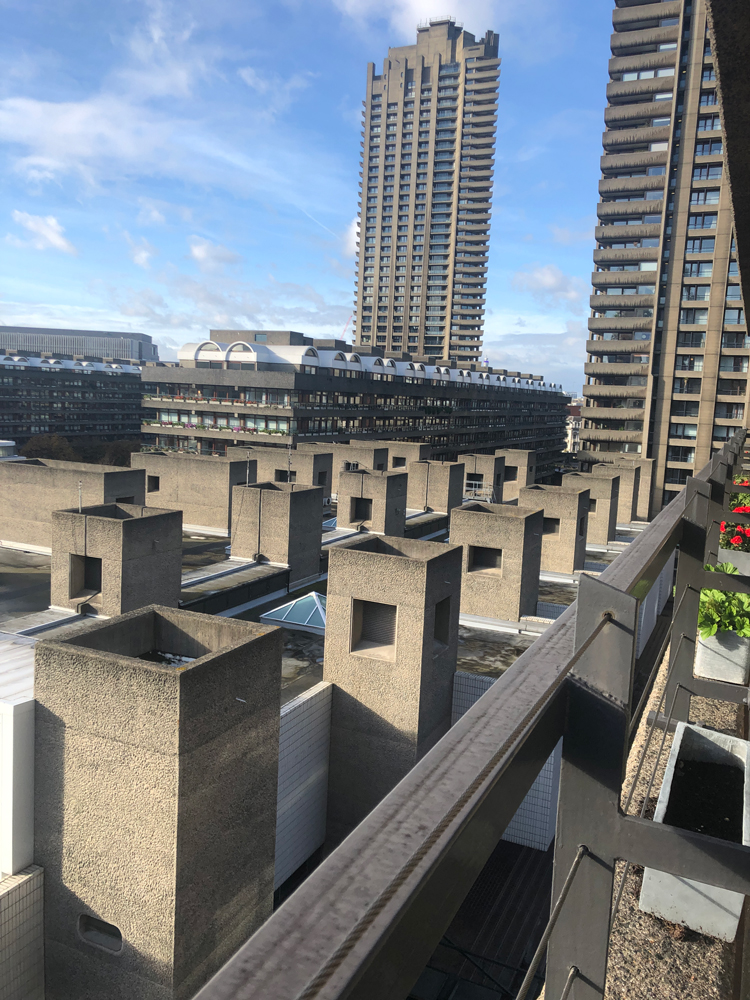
pixel 723 526
pixel 741 510
pixel 737 540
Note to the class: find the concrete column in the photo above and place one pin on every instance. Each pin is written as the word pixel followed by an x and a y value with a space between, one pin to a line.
pixel 302 467
pixel 630 479
pixel 391 647
pixel 155 792
pixel 372 501
pixel 644 487
pixel 502 554
pixel 565 525
pixel 115 558
pixel 520 471
pixel 603 502
pixel 435 486
pixel 279 523
pixel 484 477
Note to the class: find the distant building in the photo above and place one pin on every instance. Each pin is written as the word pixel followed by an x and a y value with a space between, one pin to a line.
pixel 83 345
pixel 75 399
pixel 573 425
pixel 245 387
pixel 429 124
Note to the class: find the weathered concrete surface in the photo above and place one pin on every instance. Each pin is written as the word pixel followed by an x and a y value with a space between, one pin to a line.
pixel 565 525
pixel 435 486
pixel 384 493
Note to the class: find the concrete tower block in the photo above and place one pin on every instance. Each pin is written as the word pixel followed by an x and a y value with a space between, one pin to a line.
pixel 502 555
pixel 279 523
pixel 304 468
pixel 565 525
pixel 603 501
pixel 391 647
pixel 520 471
pixel 485 475
pixel 646 466
pixel 31 490
pixel 354 456
pixel 198 485
pixel 630 479
pixel 372 501
pixel 115 558
pixel 155 794
pixel 402 453
pixel 435 486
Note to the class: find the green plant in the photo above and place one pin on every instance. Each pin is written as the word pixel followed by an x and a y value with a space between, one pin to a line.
pixel 723 610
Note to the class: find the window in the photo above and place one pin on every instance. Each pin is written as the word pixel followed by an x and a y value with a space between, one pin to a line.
pixel 733 363
pixel 677 477
pixel 99 933
pixel 709 73
pixel 710 124
pixel 694 316
pixel 688 363
pixel 373 630
pixel 685 407
pixel 699 269
pixel 551 526
pixel 712 148
pixel 691 339
pixel 734 317
pixel 683 430
pixel 152 484
pixel 730 411
pixel 485 560
pixel 680 453
pixel 688 386
pixel 712 173
pixel 708 197
pixel 703 221
pixel 733 292
pixel 696 293
pixel 709 97
pixel 703 245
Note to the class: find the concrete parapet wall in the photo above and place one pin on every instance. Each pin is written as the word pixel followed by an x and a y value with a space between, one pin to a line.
pixel 435 486
pixel 484 477
pixel 630 480
pixel 604 494
pixel 565 525
pixel 384 507
pixel 520 471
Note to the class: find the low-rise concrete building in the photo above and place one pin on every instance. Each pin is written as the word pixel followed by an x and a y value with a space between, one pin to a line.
pixel 163 726
pixel 402 453
pixel 520 471
pixel 435 486
pixel 30 490
pixel 391 646
pixel 564 527
pixel 349 457
pixel 502 553
pixel 484 477
pixel 603 503
pixel 279 523
pixel 630 480
pixel 306 467
pixel 115 558
pixel 372 501
pixel 198 485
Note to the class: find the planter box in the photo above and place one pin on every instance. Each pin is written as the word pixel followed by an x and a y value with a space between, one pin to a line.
pixel 685 800
pixel 723 657
pixel 739 559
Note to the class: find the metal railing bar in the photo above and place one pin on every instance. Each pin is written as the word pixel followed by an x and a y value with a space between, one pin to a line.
pixel 572 973
pixel 446 943
pixel 553 918
pixel 470 958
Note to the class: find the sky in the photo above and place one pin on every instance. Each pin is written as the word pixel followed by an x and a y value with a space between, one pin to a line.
pixel 173 167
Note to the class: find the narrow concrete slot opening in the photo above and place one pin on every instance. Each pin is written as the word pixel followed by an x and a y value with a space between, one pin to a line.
pixel 592 506
pixel 399 463
pixel 551 526
pixel 361 509
pixel 99 933
pixel 125 499
pixel 511 473
pixel 442 625
pixel 322 478
pixel 485 560
pixel 152 484
pixel 374 629
pixel 85 576
pixel 474 480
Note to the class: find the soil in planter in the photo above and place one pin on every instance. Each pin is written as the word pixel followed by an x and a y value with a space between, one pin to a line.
pixel 707 798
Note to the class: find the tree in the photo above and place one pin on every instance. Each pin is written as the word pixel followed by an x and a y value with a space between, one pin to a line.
pixel 50 446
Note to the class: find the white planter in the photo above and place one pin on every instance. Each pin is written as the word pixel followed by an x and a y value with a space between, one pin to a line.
pixel 703 908
pixel 739 559
pixel 723 657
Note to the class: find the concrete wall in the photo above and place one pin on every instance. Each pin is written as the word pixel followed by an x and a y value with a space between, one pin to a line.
pixel 604 494
pixel 307 468
pixel 630 480
pixel 391 646
pixel 22 935
pixel 646 466
pixel 520 471
pixel 279 523
pixel 402 453
pixel 436 486
pixel 198 485
pixel 484 477
pixel 140 549
pixel 565 525
pixel 387 492
pixel 502 552
pixel 173 770
pixel 31 490
pixel 358 454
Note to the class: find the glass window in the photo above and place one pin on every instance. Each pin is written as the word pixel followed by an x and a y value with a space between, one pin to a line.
pixel 696 293
pixel 704 221
pixel 712 148
pixel 699 269
pixel 710 124
pixel 734 317
pixel 694 316
pixel 683 430
pixel 702 245
pixel 708 197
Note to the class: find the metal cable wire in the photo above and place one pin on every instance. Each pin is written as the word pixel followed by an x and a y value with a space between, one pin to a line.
pixel 572 973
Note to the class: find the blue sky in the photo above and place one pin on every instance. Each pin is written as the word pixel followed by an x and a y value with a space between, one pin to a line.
pixel 172 167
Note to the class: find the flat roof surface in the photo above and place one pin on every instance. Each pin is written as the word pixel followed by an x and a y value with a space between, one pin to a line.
pixel 16 669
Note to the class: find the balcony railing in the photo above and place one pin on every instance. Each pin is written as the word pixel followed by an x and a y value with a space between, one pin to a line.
pixel 366 922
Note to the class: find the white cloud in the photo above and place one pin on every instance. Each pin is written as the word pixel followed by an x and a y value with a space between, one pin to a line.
pixel 141 251
pixel 278 94
pixel 568 235
pixel 46 233
pixel 557 356
pixel 351 236
pixel 211 256
pixel 551 287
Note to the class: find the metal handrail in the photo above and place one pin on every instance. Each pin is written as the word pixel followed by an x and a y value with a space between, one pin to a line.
pixel 366 921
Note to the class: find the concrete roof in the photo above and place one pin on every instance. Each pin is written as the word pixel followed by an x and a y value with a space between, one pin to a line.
pixel 16 669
